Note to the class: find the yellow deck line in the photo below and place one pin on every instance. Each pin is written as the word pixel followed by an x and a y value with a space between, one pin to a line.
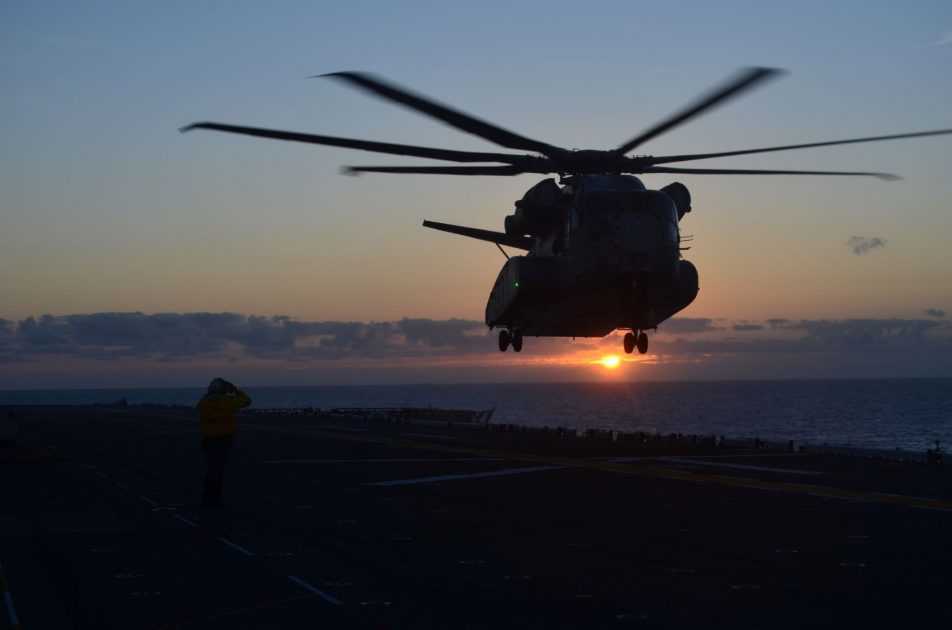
pixel 628 469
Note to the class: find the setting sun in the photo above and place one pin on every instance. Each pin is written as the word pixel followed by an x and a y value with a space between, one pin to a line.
pixel 611 361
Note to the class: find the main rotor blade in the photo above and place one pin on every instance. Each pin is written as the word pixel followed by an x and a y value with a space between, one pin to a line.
pixel 736 171
pixel 703 156
pixel 746 80
pixel 364 145
pixel 452 117
pixel 436 170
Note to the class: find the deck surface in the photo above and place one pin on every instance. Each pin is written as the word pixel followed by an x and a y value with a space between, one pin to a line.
pixel 346 524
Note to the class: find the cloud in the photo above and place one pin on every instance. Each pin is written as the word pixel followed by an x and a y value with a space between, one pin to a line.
pixel 7 338
pixel 935 312
pixel 868 333
pixel 451 333
pixel 944 41
pixel 164 338
pixel 863 245
pixel 171 336
pixel 687 325
pixel 856 337
pixel 747 327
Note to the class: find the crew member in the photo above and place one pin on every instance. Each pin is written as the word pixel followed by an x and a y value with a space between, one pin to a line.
pixel 217 410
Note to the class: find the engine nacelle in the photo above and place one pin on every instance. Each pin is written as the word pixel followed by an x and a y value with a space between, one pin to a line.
pixel 681 196
pixel 540 211
pixel 516 225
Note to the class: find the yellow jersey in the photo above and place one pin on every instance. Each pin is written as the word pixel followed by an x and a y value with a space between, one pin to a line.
pixel 218 412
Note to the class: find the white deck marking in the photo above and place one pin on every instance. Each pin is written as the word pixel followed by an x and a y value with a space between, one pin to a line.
pixel 907 496
pixel 699 462
pixel 432 436
pixel 8 598
pixel 740 455
pixel 494 473
pixel 185 520
pixel 148 500
pixel 381 461
pixel 690 461
pixel 340 428
pixel 235 546
pixel 11 610
pixel 122 485
pixel 315 590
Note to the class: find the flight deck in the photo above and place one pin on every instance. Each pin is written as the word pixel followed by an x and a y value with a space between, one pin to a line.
pixel 344 523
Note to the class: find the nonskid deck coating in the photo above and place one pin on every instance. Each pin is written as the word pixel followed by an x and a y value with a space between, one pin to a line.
pixel 363 525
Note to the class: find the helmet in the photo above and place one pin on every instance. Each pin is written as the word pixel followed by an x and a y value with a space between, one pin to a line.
pixel 218 386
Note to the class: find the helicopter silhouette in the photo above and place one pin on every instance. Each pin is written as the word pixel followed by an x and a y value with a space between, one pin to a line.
pixel 602 251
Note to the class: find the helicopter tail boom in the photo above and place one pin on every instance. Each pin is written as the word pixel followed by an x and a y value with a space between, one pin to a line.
pixel 500 238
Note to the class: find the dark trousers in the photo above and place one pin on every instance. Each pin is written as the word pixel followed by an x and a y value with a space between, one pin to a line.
pixel 217 450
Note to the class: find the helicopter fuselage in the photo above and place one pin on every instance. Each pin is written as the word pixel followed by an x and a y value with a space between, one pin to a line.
pixel 614 261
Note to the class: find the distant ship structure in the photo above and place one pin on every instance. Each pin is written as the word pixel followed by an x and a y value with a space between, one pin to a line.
pixel 391 415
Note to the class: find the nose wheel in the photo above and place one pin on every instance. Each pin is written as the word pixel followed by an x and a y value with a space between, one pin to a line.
pixel 633 341
pixel 507 338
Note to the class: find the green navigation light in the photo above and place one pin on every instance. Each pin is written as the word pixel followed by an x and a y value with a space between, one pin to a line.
pixel 517 285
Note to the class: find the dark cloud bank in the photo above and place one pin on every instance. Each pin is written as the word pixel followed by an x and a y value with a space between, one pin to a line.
pixel 846 337
pixel 172 336
pixel 183 336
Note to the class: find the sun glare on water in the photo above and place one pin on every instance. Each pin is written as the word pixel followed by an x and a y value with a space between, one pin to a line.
pixel 610 362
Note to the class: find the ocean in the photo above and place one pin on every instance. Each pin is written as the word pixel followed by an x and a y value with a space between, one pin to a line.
pixel 886 413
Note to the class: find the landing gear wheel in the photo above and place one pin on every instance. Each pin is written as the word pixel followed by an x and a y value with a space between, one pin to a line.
pixel 629 342
pixel 642 343
pixel 504 339
pixel 517 341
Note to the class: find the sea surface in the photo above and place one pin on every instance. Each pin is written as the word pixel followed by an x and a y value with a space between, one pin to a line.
pixel 886 413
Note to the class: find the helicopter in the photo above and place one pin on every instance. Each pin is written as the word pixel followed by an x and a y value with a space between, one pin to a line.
pixel 603 252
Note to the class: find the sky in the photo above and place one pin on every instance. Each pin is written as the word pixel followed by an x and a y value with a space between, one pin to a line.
pixel 131 254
